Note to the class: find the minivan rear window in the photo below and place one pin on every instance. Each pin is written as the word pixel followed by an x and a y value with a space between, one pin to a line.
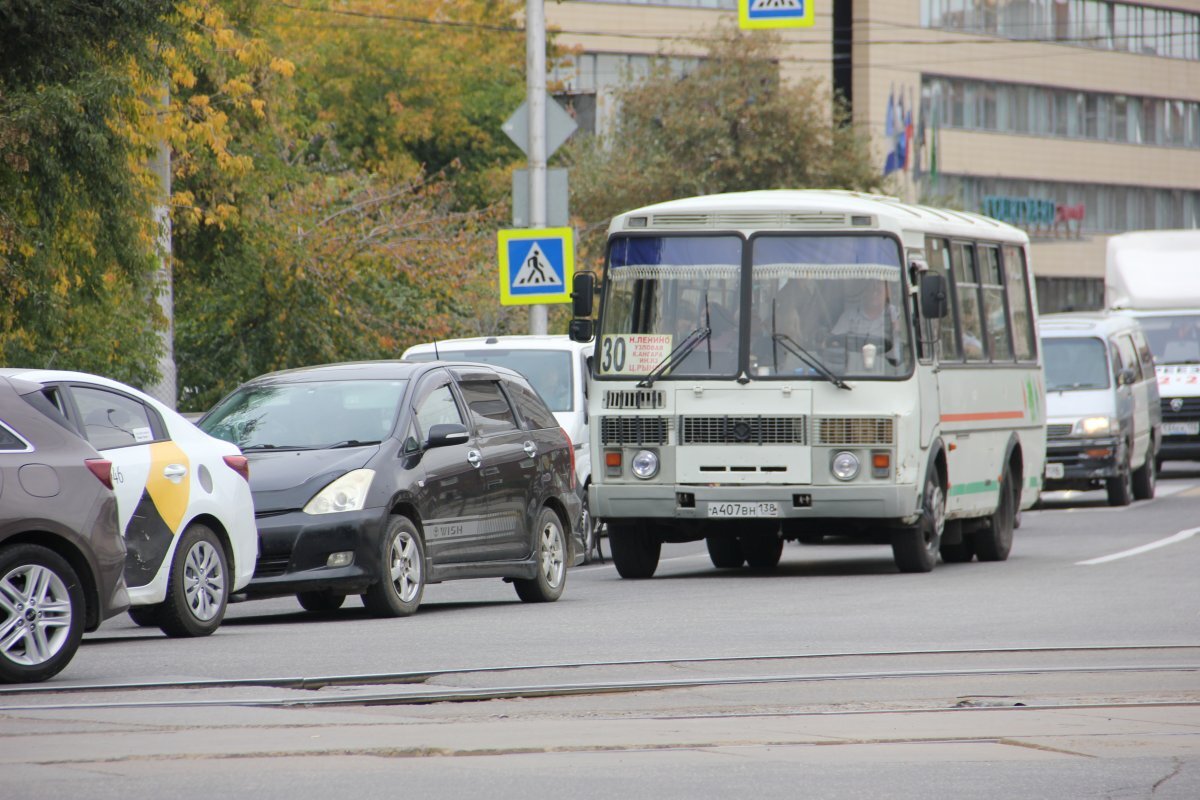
pixel 1075 364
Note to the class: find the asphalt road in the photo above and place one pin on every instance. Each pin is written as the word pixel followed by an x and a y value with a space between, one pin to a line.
pixel 1070 670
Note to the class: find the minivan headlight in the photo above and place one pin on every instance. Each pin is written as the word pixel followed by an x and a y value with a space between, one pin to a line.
pixel 347 493
pixel 1097 426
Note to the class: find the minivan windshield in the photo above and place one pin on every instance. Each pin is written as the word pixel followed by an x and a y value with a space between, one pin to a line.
pixel 312 415
pixel 548 370
pixel 1075 364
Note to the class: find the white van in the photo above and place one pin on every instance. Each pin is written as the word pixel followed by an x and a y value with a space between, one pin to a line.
pixel 1103 418
pixel 557 367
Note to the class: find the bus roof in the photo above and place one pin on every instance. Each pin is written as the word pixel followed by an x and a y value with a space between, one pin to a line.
pixel 810 209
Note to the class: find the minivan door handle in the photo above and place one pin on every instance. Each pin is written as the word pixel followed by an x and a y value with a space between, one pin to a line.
pixel 530 449
pixel 474 458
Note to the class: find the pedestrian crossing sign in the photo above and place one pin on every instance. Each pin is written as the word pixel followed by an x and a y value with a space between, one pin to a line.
pixel 536 265
pixel 756 14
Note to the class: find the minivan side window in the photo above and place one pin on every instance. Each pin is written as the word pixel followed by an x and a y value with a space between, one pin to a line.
pixel 437 408
pixel 1145 355
pixel 490 411
pixel 1129 358
pixel 532 409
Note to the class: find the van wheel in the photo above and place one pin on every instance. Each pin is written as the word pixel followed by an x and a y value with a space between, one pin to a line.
pixel 635 550
pixel 725 552
pixel 1145 478
pixel 915 549
pixel 993 541
pixel 1120 488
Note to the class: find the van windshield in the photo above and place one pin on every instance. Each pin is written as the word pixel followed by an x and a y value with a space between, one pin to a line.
pixel 548 370
pixel 1174 339
pixel 1075 364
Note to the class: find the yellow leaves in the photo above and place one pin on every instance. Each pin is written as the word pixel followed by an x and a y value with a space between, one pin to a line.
pixel 259 106
pixel 283 67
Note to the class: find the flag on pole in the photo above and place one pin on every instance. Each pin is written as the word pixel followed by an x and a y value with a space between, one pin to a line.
pixel 908 131
pixel 891 164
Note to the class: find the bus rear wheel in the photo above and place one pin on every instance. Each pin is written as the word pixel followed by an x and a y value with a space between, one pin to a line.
pixel 634 550
pixel 993 541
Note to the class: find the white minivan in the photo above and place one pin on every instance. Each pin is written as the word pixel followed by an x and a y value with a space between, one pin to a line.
pixel 558 368
pixel 1103 417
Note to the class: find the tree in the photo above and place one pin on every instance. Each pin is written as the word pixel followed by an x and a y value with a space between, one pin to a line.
pixel 77 254
pixel 729 125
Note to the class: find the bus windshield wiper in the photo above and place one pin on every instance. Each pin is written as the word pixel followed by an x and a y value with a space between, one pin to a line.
pixel 799 352
pixel 676 355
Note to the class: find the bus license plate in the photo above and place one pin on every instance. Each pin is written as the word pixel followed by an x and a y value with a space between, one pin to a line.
pixel 1054 471
pixel 743 509
pixel 1180 428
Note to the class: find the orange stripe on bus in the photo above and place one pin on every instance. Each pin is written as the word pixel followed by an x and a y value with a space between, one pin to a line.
pixel 983 416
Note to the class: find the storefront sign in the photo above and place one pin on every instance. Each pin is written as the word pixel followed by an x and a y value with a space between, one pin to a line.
pixel 1039 217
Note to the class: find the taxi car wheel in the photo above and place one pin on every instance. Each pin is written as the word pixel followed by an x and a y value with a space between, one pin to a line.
pixel 320 601
pixel 145 616
pixel 41 618
pixel 550 552
pixel 725 552
pixel 994 541
pixel 401 582
pixel 198 589
pixel 915 549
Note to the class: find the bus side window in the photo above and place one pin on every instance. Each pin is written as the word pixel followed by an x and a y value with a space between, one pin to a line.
pixel 995 314
pixel 937 256
pixel 1018 302
pixel 966 283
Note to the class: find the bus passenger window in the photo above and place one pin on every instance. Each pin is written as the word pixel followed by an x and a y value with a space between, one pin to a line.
pixel 995 314
pixel 1018 302
pixel 937 255
pixel 966 284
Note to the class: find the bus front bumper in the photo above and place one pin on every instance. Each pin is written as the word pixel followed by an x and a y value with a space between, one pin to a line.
pixel 897 502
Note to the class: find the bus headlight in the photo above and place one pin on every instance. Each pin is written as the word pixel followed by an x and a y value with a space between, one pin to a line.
pixel 845 466
pixel 644 464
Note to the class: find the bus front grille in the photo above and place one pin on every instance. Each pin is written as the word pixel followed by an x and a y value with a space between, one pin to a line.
pixel 854 430
pixel 743 430
pixel 635 430
pixel 635 398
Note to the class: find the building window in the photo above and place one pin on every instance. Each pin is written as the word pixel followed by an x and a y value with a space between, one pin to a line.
pixel 1097 24
pixel 1046 111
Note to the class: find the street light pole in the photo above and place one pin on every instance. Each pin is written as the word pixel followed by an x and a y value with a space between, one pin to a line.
pixel 535 90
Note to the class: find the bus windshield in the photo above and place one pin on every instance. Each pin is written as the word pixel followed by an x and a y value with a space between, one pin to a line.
pixel 833 300
pixel 824 307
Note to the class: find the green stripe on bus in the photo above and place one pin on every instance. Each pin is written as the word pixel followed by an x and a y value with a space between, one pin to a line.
pixel 973 488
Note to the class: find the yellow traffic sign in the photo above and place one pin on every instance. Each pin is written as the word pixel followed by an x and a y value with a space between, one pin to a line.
pixel 537 265
pixel 758 14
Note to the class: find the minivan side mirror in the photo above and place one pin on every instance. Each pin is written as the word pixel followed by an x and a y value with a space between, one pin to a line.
pixel 583 290
pixel 445 434
pixel 934 302
pixel 1126 377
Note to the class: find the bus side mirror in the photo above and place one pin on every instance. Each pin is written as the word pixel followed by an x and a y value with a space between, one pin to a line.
pixel 582 292
pixel 580 330
pixel 934 302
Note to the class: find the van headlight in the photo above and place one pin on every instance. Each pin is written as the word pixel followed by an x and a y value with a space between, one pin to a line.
pixel 844 466
pixel 347 493
pixel 644 464
pixel 1098 426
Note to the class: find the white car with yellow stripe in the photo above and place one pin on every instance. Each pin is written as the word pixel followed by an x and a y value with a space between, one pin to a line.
pixel 183 500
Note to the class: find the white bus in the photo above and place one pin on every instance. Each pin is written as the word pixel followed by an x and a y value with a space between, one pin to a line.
pixel 788 365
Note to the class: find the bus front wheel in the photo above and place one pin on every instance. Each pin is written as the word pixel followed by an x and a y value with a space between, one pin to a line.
pixel 915 549
pixel 634 549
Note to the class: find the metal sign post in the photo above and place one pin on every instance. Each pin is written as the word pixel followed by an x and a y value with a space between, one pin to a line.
pixel 535 91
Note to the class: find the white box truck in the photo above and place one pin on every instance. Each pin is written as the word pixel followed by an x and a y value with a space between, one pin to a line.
pixel 1155 276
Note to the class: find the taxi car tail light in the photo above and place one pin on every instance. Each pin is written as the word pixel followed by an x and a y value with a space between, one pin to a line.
pixel 347 493
pixel 571 450
pixel 102 469
pixel 239 464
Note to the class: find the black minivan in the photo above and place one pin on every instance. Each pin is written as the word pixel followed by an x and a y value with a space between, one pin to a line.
pixel 377 478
